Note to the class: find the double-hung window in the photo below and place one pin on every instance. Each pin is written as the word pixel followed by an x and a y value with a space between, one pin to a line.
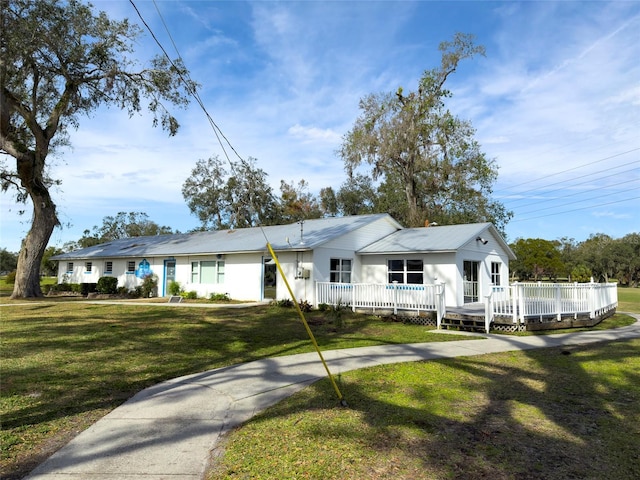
pixel 340 270
pixel 108 268
pixel 195 272
pixel 131 267
pixel 87 267
pixel 495 273
pixel 405 271
pixel 211 271
pixel 69 267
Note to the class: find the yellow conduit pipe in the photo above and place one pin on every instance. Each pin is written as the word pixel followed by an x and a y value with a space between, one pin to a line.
pixel 306 325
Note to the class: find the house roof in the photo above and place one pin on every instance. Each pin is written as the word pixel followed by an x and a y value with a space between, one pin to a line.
pixel 434 239
pixel 313 234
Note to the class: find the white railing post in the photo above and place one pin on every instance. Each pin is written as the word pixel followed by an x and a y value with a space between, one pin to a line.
pixel 514 302
pixel 558 302
pixel 592 300
pixel 440 304
pixel 488 311
pixel 395 297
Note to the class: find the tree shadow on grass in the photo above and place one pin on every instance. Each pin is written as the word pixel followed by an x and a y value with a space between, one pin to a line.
pixel 550 413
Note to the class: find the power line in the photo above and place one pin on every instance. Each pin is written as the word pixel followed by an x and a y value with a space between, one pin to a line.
pixel 575 209
pixel 189 85
pixel 547 192
pixel 575 168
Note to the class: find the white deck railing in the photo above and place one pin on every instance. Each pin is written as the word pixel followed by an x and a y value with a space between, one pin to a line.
pixel 386 296
pixel 521 301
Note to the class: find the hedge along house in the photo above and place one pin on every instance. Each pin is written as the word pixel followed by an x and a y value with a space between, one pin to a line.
pixel 375 248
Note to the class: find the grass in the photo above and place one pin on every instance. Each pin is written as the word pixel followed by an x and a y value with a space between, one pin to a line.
pixel 549 413
pixel 520 415
pixel 66 364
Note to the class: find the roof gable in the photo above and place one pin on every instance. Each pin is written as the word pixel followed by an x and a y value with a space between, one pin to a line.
pixel 447 238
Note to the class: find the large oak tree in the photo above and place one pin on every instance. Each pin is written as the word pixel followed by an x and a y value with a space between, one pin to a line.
pixel 60 60
pixel 415 145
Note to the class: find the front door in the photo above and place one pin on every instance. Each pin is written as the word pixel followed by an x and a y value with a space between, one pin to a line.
pixel 470 282
pixel 169 274
pixel 269 279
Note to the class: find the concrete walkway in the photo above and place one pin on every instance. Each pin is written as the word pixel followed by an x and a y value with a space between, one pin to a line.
pixel 169 431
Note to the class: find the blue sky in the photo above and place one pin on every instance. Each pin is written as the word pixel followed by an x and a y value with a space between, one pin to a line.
pixel 556 102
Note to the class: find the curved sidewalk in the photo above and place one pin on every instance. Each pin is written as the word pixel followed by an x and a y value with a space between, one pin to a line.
pixel 169 431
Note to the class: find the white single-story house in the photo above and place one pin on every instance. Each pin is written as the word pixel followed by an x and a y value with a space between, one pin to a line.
pixel 366 249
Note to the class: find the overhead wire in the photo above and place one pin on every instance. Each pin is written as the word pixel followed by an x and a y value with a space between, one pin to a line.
pixel 190 84
pixel 191 89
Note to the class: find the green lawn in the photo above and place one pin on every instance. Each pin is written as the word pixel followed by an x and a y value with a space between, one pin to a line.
pixel 549 413
pixel 539 414
pixel 66 364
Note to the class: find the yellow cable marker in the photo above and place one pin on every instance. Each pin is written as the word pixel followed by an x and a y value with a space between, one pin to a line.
pixel 343 402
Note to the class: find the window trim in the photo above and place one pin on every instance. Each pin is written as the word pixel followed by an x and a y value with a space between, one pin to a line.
pixel 402 276
pixel 341 273
pixel 129 270
pixel 496 276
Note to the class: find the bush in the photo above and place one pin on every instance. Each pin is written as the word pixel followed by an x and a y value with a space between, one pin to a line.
pixel 192 295
pixel 107 285
pixel 284 303
pixel 174 288
pixel 219 297
pixel 150 286
pixel 305 306
pixel 136 292
pixel 10 279
pixel 87 288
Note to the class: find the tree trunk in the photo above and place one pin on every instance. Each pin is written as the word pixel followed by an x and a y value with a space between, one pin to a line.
pixel 27 282
pixel 45 219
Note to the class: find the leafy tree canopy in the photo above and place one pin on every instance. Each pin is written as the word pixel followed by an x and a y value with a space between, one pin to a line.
pixel 413 142
pixel 60 61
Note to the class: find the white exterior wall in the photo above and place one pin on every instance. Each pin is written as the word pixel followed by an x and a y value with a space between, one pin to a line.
pixel 438 267
pixel 242 276
pixel 119 271
pixel 485 254
pixel 303 288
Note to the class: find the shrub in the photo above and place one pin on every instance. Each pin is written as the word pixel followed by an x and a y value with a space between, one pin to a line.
pixel 87 288
pixel 174 288
pixel 219 297
pixel 10 279
pixel 284 303
pixel 107 285
pixel 323 307
pixel 150 286
pixel 192 295
pixel 335 312
pixel 305 306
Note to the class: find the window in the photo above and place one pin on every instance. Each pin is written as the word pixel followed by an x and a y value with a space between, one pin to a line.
pixel 405 271
pixel 195 270
pixel 87 267
pixel 131 267
pixel 340 270
pixel 495 273
pixel 108 268
pixel 69 267
pixel 212 271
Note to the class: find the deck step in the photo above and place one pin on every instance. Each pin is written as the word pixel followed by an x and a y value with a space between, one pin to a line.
pixel 458 321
